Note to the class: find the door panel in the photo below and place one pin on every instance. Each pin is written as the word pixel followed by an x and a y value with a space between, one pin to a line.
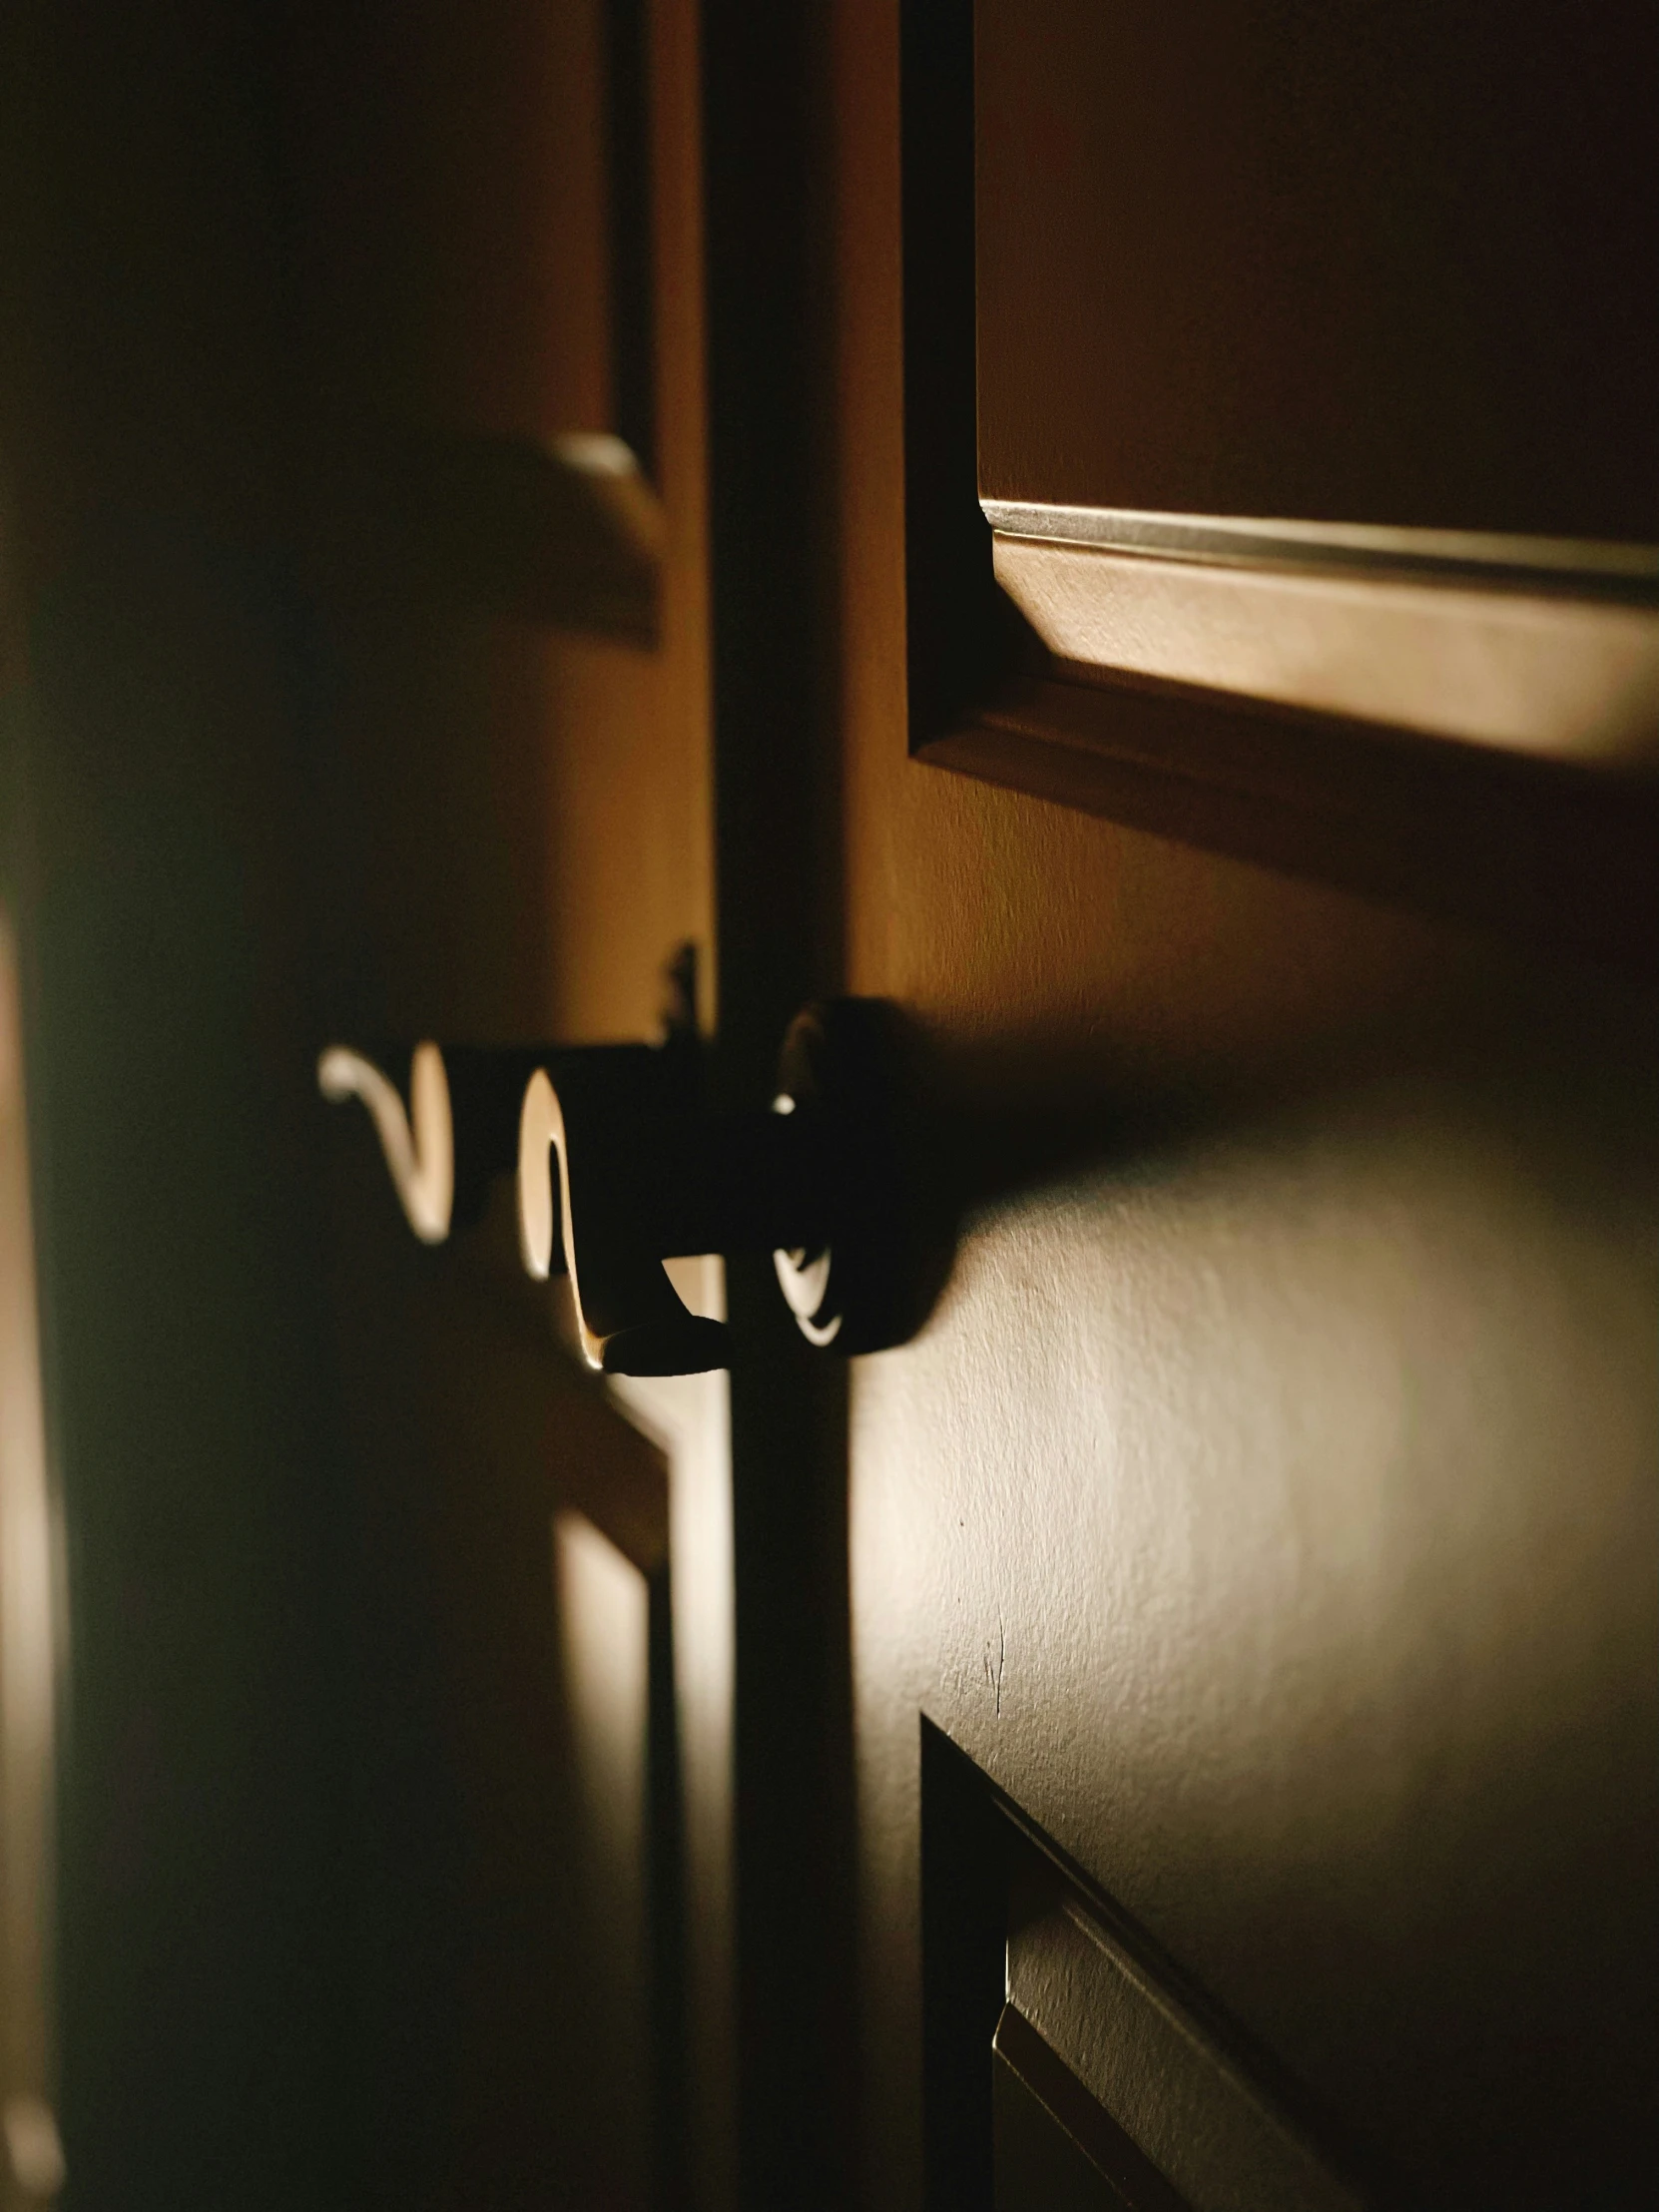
pixel 1268 1506
pixel 1358 264
pixel 1324 649
pixel 501 212
pixel 524 812
pixel 310 303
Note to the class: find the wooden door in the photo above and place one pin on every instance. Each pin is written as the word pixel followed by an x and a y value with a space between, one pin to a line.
pixel 1153 576
pixel 351 412
pixel 514 828
pixel 1251 1592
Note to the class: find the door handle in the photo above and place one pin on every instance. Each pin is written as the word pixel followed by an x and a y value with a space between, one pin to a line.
pixel 619 1163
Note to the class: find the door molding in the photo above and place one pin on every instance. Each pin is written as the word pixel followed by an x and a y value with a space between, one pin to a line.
pixel 1463 721
pixel 1024 1955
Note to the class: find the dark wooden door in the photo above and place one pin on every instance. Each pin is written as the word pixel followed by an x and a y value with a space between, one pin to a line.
pixel 392 1838
pixel 1251 1563
pixel 514 842
pixel 1153 576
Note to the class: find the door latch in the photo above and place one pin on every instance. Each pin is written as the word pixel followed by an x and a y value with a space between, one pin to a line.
pixel 619 1163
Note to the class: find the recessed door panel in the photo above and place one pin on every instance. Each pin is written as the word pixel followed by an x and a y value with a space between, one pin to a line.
pixel 1353 263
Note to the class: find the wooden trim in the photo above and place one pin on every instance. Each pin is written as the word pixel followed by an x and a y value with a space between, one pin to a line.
pixel 1565 678
pixel 1133 2178
pixel 988 1871
pixel 958 636
pixel 1577 566
pixel 1160 2085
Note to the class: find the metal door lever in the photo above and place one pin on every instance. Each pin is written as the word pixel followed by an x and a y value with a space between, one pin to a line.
pixel 619 1164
